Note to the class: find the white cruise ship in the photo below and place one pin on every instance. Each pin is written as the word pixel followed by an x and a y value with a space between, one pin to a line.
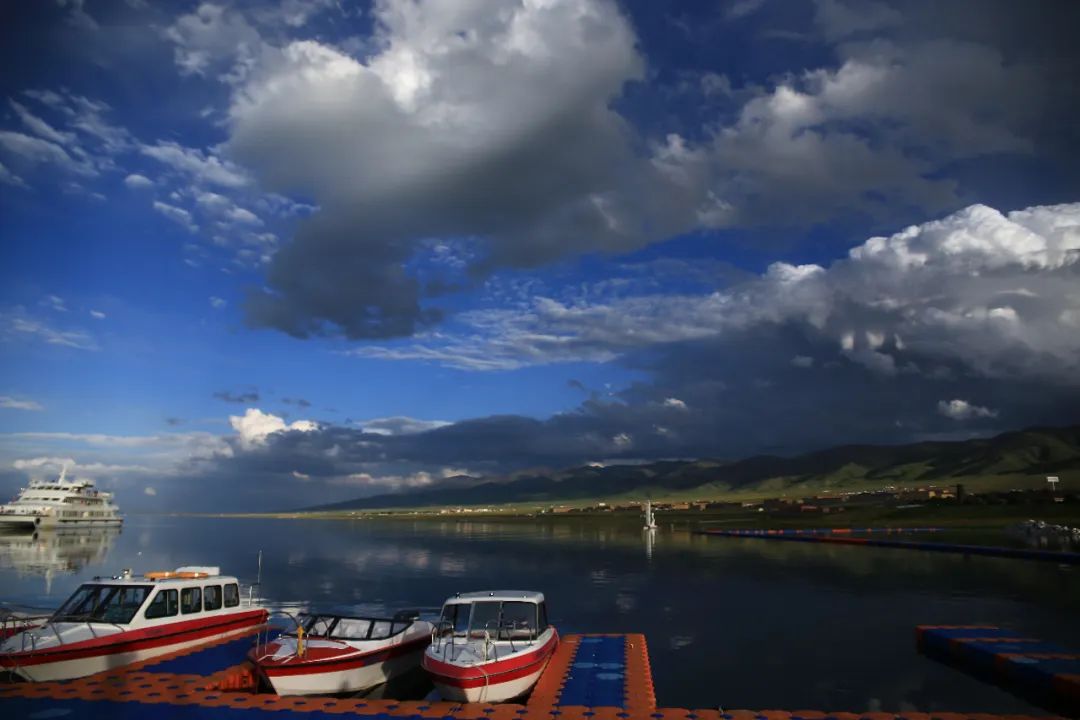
pixel 60 503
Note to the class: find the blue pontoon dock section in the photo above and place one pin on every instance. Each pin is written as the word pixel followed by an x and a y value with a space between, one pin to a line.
pixel 1041 672
pixel 846 536
pixel 597 674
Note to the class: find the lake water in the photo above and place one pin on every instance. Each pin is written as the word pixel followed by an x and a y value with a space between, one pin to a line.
pixel 732 623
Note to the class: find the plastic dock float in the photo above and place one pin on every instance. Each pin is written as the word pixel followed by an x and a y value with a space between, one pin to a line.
pixel 1040 672
pixel 589 677
pixel 597 671
pixel 845 536
pixel 823 531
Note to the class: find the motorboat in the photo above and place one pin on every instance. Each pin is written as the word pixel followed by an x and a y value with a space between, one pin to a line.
pixel 111 622
pixel 328 654
pixel 490 646
pixel 60 503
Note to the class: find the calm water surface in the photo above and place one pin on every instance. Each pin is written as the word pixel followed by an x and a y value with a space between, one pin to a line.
pixel 735 623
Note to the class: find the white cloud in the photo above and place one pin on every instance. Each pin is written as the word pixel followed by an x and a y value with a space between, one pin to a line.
pixel 177 215
pixel 743 8
pixel 254 427
pixel 675 403
pixel 456 99
pixel 34 150
pixel 11 403
pixel 963 410
pixel 149 491
pixel 211 37
pixel 20 325
pixel 135 181
pixel 10 178
pixel 217 303
pixel 199 165
pixel 955 289
pixel 840 18
pixel 54 302
pixel 802 361
pixel 39 127
pixel 97 315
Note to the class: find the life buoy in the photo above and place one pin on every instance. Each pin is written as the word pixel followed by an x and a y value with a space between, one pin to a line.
pixel 171 574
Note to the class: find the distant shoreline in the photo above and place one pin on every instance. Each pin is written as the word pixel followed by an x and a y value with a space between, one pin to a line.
pixel 951 515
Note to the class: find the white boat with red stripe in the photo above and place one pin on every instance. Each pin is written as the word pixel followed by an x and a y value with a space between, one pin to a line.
pixel 329 654
pixel 490 646
pixel 112 622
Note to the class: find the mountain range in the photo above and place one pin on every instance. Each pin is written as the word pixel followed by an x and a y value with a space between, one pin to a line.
pixel 1014 459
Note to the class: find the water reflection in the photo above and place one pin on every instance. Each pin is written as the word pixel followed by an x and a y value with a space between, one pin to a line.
pixel 51 552
pixel 730 621
pixel 650 537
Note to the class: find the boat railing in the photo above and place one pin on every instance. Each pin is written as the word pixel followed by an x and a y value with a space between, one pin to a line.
pixel 441 630
pixel 263 637
pixel 50 623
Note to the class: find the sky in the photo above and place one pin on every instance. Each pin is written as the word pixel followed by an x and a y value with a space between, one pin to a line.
pixel 258 255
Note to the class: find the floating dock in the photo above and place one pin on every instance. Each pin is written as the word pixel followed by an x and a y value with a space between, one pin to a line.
pixel 589 677
pixel 846 536
pixel 1040 672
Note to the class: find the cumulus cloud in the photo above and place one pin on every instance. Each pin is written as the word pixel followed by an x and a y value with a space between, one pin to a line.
pixel 958 409
pixel 199 165
pixel 991 291
pixel 470 121
pixel 254 427
pixel 34 151
pixel 136 181
pixel 467 122
pixel 178 215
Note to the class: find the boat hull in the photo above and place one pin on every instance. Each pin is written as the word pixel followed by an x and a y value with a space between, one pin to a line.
pixel 41 522
pixel 125 648
pixel 492 682
pixel 496 692
pixel 347 675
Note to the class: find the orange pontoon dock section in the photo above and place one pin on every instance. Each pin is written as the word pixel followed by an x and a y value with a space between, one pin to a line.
pixel 1040 672
pixel 590 677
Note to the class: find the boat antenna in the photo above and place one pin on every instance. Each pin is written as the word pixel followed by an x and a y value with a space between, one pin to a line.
pixel 258 575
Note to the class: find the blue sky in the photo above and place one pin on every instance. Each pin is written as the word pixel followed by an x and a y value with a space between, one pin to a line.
pixel 256 250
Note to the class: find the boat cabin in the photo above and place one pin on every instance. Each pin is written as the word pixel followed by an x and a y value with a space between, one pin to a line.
pixel 494 616
pixel 187 593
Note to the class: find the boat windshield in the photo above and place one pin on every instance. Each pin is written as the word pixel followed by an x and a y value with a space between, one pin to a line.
pixel 103 603
pixel 341 627
pixel 498 620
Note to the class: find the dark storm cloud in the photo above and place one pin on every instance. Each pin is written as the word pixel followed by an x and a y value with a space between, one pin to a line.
pixel 721 398
pixel 239 397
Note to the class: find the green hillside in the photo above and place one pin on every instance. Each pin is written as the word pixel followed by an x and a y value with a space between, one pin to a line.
pixel 1013 460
